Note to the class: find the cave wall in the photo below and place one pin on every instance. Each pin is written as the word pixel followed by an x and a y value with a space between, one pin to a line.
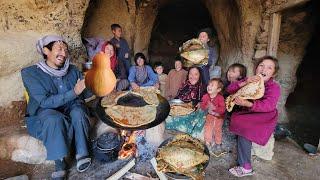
pixel 242 29
pixel 22 22
pixel 135 18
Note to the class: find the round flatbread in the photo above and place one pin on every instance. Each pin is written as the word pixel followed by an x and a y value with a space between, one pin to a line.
pixel 149 94
pixel 112 98
pixel 132 116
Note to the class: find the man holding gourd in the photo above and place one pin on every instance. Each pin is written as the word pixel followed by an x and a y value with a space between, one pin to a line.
pixel 56 113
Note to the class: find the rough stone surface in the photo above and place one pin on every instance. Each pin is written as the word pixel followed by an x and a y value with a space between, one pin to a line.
pixel 21 24
pixel 293 41
pixel 22 148
pixel 260 53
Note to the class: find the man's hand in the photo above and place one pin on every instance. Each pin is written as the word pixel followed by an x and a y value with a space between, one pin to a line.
pixel 126 55
pixel 242 102
pixel 134 86
pixel 79 87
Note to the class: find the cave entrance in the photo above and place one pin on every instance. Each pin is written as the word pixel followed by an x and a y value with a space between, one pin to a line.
pixel 303 104
pixel 176 22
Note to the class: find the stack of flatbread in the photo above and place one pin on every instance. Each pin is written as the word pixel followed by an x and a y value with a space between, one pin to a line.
pixel 181 109
pixel 130 116
pixel 253 90
pixel 194 52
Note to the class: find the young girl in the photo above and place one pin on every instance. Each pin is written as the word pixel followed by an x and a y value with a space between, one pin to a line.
pixel 235 72
pixel 256 120
pixel 142 75
pixel 213 103
pixel 117 67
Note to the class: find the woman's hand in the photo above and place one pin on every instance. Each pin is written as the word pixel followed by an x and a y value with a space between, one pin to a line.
pixel 197 106
pixel 134 86
pixel 242 102
pixel 156 85
pixel 250 79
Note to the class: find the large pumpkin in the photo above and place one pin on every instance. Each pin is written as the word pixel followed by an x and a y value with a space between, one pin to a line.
pixel 100 79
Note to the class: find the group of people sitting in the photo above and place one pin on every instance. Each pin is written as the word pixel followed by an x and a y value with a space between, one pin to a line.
pixel 56 113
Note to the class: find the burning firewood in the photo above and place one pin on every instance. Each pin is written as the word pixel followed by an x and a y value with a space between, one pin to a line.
pixel 129 148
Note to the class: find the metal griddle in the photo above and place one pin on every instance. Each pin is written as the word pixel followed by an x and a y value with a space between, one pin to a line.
pixel 163 110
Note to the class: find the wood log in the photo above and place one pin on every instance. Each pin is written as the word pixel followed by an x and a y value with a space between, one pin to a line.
pixel 284 6
pixel 160 174
pixel 274 33
pixel 122 171
pixel 134 176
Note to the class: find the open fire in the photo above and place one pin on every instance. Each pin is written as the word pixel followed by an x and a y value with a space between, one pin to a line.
pixel 129 147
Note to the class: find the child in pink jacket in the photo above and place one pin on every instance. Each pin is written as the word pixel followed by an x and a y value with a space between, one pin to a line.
pixel 256 120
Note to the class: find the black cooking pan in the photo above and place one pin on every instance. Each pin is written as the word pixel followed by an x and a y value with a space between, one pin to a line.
pixel 163 110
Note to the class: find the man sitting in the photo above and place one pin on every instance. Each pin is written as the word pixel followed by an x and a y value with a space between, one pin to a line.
pixel 56 113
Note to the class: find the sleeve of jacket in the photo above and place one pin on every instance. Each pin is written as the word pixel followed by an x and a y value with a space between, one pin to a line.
pixel 221 108
pixel 132 74
pixel 269 101
pixel 44 98
pixel 204 102
pixel 213 56
pixel 234 86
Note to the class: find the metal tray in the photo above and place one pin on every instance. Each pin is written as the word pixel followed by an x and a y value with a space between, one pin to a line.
pixel 181 176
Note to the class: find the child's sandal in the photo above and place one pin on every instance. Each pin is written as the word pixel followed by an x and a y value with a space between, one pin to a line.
pixel 239 171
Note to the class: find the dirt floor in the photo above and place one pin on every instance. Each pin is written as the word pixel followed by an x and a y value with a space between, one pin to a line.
pixel 289 162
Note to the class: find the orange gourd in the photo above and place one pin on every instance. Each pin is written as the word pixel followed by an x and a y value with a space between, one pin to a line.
pixel 100 79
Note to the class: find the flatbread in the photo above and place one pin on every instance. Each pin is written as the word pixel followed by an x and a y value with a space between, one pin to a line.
pixel 181 109
pixel 112 98
pixel 250 91
pixel 132 116
pixel 149 94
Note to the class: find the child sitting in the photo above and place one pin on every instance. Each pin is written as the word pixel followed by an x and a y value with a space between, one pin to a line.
pixel 176 78
pixel 213 102
pixel 235 72
pixel 256 120
pixel 158 68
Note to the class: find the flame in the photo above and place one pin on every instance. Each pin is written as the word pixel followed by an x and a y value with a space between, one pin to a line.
pixel 129 148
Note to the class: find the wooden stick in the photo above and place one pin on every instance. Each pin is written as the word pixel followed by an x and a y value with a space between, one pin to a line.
pixel 133 176
pixel 274 33
pixel 160 174
pixel 122 171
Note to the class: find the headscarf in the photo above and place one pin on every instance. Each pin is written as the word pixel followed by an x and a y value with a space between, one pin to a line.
pixel 113 59
pixel 42 63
